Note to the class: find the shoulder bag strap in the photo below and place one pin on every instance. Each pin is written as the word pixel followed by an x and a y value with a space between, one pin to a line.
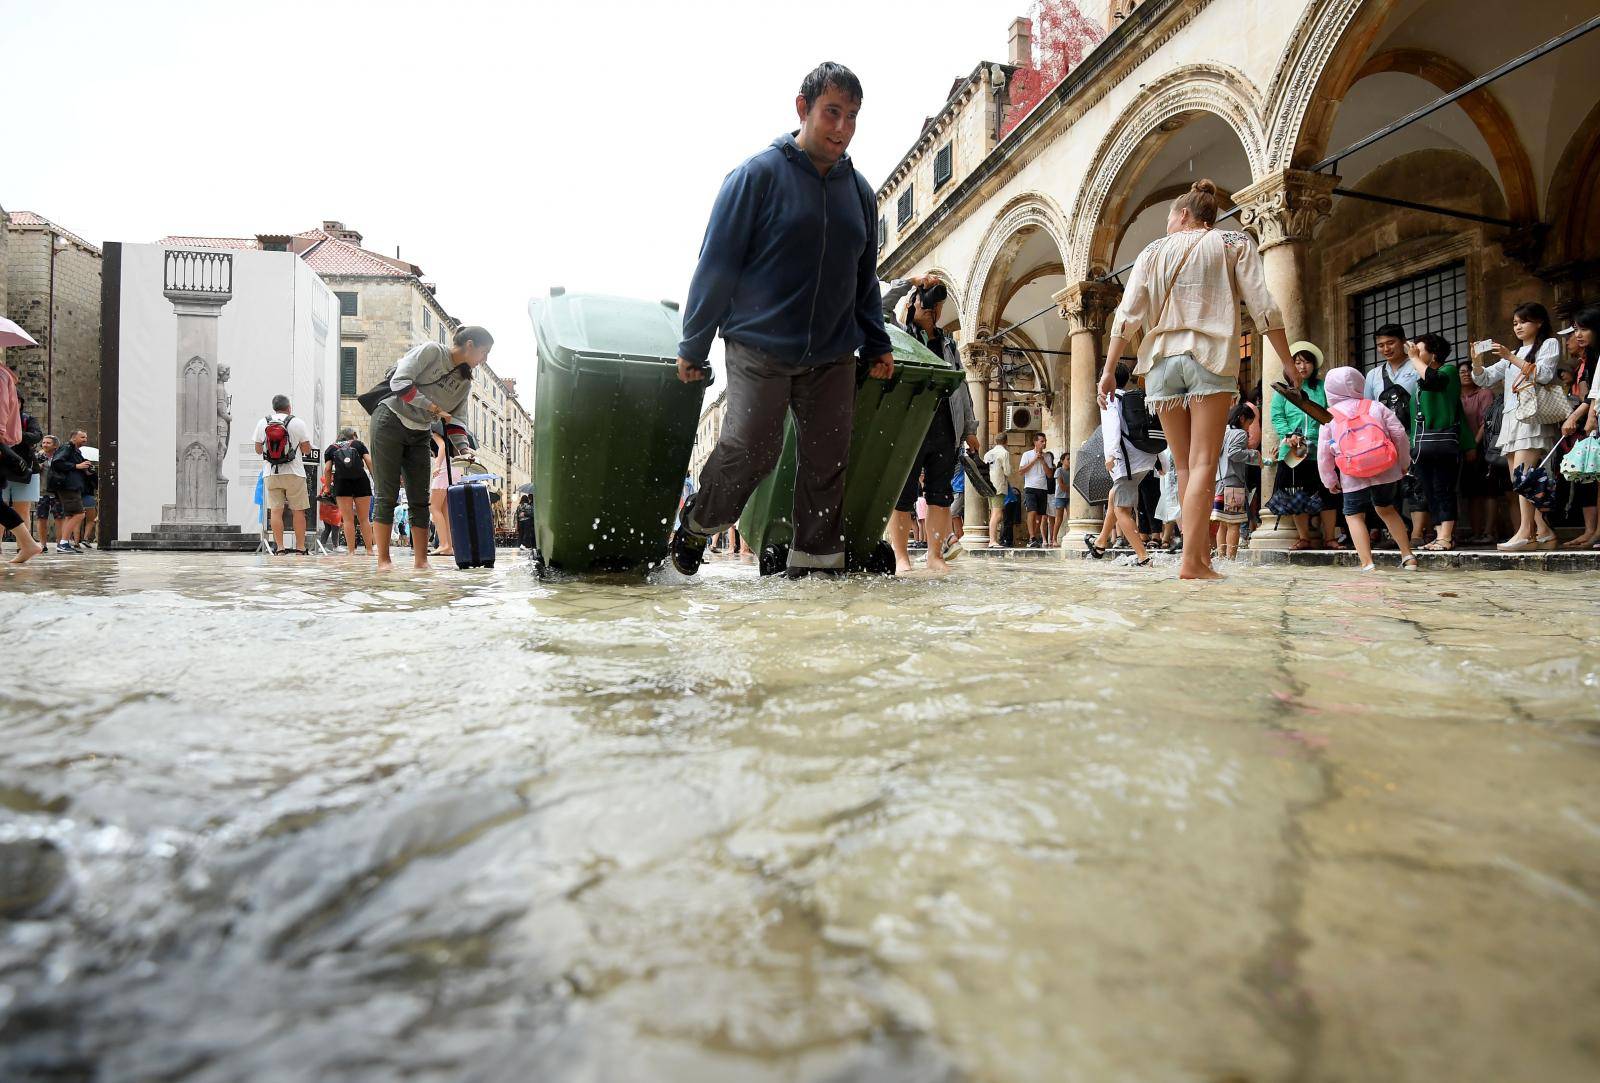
pixel 1173 281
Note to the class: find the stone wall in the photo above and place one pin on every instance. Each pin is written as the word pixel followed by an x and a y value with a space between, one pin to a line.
pixel 69 397
pixel 968 127
pixel 387 324
pixel 1365 246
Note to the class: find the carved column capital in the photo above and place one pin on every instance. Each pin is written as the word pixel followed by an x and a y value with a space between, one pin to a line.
pixel 982 358
pixel 1088 306
pixel 1287 206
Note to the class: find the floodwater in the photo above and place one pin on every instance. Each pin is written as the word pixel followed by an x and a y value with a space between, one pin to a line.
pixel 1056 821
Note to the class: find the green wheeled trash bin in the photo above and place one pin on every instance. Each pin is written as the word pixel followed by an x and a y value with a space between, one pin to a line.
pixel 891 419
pixel 613 431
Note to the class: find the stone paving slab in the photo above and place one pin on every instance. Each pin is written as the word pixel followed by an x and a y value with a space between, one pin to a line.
pixel 1481 560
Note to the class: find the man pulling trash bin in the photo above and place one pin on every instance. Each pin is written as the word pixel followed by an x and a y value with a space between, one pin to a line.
pixel 788 275
pixel 954 424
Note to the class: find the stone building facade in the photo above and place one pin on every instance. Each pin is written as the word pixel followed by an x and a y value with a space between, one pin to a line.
pixel 53 292
pixel 387 308
pixel 1269 100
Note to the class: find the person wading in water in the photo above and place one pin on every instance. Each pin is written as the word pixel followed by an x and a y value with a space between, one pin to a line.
pixel 788 276
pixel 1184 294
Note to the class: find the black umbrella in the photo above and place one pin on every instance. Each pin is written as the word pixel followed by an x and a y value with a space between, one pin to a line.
pixel 528 488
pixel 1089 475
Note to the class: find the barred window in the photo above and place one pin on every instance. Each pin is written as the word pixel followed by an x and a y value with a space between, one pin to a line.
pixel 942 166
pixel 427 319
pixel 1432 302
pixel 347 304
pixel 883 232
pixel 904 207
pixel 347 370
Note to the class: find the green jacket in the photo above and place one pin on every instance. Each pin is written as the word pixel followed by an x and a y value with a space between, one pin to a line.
pixel 1288 419
pixel 1438 398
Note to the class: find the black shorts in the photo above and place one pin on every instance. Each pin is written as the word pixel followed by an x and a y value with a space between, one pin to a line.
pixel 352 487
pixel 935 466
pixel 71 502
pixel 1036 501
pixel 1373 496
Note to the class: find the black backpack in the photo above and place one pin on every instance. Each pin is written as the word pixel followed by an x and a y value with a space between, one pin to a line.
pixel 347 461
pixel 1394 395
pixel 1140 427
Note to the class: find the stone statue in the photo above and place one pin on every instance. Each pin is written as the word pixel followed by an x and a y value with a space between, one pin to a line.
pixel 224 418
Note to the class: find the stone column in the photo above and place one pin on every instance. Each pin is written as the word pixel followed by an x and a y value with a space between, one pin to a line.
pixel 198 284
pixel 1087 307
pixel 1283 211
pixel 981 360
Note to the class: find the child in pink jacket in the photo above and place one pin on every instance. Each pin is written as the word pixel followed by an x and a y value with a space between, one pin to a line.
pixel 1379 492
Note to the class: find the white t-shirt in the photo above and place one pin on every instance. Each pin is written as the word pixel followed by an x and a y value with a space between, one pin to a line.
pixel 299 433
pixel 1035 470
pixel 999 460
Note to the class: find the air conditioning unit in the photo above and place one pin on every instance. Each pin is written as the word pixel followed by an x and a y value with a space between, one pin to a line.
pixel 1020 416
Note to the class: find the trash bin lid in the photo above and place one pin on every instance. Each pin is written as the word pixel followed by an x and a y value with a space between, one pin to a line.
pixel 600 325
pixel 909 351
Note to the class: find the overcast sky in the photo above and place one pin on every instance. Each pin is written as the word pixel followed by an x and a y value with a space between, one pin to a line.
pixel 503 147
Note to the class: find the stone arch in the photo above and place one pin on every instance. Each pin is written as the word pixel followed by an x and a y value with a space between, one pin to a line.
pixel 1320 65
pixel 1017 220
pixel 1486 114
pixel 957 300
pixel 1218 89
pixel 1574 197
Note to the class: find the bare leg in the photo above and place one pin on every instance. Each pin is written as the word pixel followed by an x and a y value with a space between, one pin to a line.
pixel 1106 527
pixel 1330 527
pixel 1130 530
pixel 1397 526
pixel 385 533
pixel 300 531
pixel 899 533
pixel 1362 539
pixel 1302 527
pixel 1195 436
pixel 995 515
pixel 419 548
pixel 1591 516
pixel 363 523
pixel 441 521
pixel 347 517
pixel 277 526
pixel 1525 509
pixel 938 531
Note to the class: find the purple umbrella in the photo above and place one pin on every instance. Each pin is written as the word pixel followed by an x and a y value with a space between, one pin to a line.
pixel 12 335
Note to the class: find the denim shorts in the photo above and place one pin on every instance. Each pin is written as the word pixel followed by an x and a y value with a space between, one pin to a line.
pixel 17 492
pixel 1175 380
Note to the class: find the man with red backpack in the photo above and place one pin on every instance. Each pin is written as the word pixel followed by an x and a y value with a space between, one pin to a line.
pixel 1363 453
pixel 281 438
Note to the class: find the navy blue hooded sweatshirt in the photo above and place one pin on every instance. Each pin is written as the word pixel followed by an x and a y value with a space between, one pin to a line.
pixel 789 263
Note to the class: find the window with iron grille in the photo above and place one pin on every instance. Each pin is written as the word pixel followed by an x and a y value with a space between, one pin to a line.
pixel 903 207
pixel 942 166
pixel 1435 302
pixel 347 370
pixel 347 304
pixel 883 233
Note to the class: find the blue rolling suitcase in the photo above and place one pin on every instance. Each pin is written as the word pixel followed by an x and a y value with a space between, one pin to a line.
pixel 471 522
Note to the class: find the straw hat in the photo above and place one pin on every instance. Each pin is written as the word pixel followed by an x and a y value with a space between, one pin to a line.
pixel 1307 347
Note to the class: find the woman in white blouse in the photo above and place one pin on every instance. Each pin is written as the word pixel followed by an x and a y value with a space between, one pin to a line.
pixel 1524 443
pixel 1184 294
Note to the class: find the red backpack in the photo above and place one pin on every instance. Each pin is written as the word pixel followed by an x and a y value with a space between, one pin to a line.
pixel 276 445
pixel 1361 445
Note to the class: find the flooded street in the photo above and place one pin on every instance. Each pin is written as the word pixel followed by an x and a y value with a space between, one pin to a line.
pixel 1055 821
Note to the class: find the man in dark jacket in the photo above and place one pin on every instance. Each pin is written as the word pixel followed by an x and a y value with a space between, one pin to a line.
pixel 788 276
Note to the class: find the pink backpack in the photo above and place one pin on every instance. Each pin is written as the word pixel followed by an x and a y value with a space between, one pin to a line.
pixel 1361 445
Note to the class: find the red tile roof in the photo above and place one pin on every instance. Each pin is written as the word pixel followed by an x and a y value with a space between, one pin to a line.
pixel 28 218
pixel 323 253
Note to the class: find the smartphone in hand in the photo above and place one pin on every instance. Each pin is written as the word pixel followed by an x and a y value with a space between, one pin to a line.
pixel 1487 345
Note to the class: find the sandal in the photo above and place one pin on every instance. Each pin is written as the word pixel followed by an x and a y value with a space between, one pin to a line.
pixel 1302 544
pixel 1438 545
pixel 1410 564
pixel 1094 550
pixel 1145 563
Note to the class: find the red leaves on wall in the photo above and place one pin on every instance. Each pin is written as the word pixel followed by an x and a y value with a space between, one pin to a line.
pixel 1062 37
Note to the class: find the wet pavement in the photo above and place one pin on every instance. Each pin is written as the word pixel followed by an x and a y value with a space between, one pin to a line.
pixel 1039 821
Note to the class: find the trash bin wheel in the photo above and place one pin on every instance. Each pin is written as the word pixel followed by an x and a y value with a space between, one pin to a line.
pixel 881 560
pixel 773 559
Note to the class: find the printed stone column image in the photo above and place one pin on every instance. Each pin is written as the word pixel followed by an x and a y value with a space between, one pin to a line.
pixel 198 284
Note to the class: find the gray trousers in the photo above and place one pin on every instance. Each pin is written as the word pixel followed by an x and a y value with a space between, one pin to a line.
pixel 399 451
pixel 761 392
